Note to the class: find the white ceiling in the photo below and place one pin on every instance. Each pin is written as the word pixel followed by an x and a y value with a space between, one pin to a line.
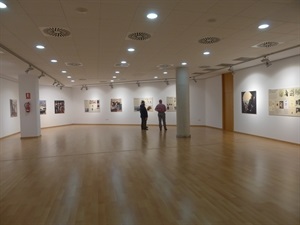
pixel 99 37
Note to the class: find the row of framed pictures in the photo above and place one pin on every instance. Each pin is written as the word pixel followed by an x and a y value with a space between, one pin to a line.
pixel 282 102
pixel 116 105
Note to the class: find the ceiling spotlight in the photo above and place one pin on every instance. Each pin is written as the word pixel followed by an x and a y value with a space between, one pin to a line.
pixel 266 61
pixel 29 68
pixel 194 79
pixel 138 84
pixel 231 70
pixel 55 83
pixel 42 75
pixel 131 49
pixel 111 85
pixel 84 87
pixel 166 81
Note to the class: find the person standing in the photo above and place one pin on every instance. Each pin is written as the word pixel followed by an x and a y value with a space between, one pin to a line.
pixel 144 116
pixel 161 109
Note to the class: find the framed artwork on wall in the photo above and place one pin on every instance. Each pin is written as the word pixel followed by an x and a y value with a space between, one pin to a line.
pixel 171 104
pixel 116 105
pixel 13 107
pixel 148 104
pixel 59 106
pixel 284 102
pixel 249 102
pixel 43 107
pixel 91 106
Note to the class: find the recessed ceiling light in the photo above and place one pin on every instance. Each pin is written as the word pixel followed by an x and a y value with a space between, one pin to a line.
pixel 117 72
pixel 72 81
pixel 69 77
pixel 114 77
pixel 263 26
pixel 206 53
pixel 152 16
pixel 123 62
pixel 40 46
pixel 54 60
pixel 111 80
pixel 2 5
pixel 165 72
pixel 131 49
pixel 155 77
pixel 63 71
pixel 183 63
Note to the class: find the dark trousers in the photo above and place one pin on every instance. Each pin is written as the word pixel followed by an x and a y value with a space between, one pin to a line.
pixel 162 120
pixel 144 123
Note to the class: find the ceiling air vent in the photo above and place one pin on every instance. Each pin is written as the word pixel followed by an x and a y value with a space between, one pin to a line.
pixel 139 36
pixel 55 32
pixel 266 44
pixel 209 40
pixel 165 66
pixel 73 64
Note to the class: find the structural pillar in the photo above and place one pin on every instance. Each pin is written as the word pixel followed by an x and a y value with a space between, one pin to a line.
pixel 183 102
pixel 30 122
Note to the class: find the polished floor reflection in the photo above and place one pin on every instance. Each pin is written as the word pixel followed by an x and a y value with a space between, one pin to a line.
pixel 120 175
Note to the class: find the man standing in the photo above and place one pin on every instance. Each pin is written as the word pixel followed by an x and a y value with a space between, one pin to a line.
pixel 161 109
pixel 144 116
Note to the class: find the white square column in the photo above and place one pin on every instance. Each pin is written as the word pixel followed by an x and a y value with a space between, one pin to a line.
pixel 183 102
pixel 30 122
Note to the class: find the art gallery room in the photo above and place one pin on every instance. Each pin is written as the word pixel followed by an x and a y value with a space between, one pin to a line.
pixel 73 75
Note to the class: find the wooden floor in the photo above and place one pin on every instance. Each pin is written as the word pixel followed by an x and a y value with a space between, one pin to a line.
pixel 120 175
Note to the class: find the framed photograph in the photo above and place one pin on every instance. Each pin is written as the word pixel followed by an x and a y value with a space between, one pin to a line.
pixel 116 105
pixel 43 107
pixel 91 106
pixel 249 102
pixel 13 107
pixel 59 106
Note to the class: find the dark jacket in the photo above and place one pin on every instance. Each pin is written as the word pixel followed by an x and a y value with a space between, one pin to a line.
pixel 143 111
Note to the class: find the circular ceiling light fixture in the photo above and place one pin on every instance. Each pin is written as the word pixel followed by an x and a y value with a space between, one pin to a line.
pixel 263 26
pixel 131 49
pixel 206 53
pixel 53 60
pixel 152 16
pixel 184 63
pixel 63 71
pixel 40 47
pixel 123 62
pixel 2 5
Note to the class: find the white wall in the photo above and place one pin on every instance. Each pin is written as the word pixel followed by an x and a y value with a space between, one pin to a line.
pixel 127 93
pixel 8 90
pixel 50 94
pixel 282 74
pixel 213 102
